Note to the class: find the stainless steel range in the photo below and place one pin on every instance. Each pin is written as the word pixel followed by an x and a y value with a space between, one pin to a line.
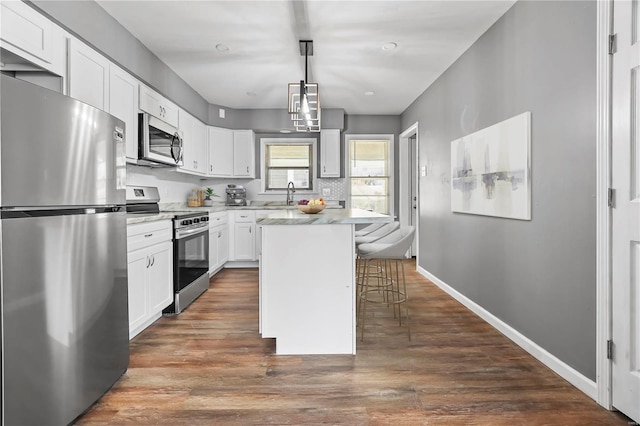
pixel 190 246
pixel 190 259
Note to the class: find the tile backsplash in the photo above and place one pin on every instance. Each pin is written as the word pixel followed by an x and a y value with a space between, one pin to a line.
pixel 337 187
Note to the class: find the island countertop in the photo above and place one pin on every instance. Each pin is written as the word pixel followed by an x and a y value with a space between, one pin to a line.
pixel 325 217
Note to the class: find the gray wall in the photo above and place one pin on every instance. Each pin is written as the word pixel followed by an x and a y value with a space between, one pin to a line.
pixel 88 21
pixel 538 276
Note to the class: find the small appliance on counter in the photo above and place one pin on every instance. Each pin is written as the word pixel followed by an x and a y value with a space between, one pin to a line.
pixel 236 195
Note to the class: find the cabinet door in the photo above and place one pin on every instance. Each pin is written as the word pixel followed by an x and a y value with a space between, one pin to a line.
pixel 123 103
pixel 223 245
pixel 330 153
pixel 213 249
pixel 88 75
pixel 30 35
pixel 138 261
pixel 244 241
pixel 243 153
pixel 220 152
pixel 194 157
pixel 158 106
pixel 160 276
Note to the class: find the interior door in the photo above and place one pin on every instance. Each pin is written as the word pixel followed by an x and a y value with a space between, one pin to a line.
pixel 625 157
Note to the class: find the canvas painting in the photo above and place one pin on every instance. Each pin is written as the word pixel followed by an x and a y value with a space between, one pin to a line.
pixel 490 170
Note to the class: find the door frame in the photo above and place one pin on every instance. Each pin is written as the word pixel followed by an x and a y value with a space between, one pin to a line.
pixel 604 318
pixel 404 196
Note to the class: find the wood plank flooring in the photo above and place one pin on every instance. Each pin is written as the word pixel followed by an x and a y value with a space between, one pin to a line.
pixel 209 366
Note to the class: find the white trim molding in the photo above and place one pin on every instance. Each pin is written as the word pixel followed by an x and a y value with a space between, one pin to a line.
pixel 603 218
pixel 372 137
pixel 562 369
pixel 404 208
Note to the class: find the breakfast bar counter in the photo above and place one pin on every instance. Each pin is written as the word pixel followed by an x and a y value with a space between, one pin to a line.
pixel 307 279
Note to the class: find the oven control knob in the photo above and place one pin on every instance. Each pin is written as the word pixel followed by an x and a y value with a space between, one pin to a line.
pixel 196 220
pixel 205 219
pixel 187 222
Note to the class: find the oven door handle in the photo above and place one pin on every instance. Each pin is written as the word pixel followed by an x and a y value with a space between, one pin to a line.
pixel 189 232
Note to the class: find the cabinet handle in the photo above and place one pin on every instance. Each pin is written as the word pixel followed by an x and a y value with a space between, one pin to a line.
pixel 219 234
pixel 148 261
pixel 210 168
pixel 247 169
pixel 153 260
pixel 324 169
pixel 249 230
pixel 148 235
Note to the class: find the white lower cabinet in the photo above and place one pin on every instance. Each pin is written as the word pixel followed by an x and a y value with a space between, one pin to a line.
pixel 243 235
pixel 218 241
pixel 150 273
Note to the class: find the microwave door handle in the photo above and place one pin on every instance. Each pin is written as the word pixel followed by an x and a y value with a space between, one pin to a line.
pixel 180 144
pixel 176 160
pixel 179 156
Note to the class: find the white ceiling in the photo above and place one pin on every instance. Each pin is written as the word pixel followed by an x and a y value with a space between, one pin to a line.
pixel 348 59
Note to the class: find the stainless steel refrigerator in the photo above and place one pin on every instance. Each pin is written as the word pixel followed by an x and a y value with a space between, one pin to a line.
pixel 63 264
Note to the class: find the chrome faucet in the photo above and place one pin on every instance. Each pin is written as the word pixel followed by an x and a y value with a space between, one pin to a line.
pixel 291 189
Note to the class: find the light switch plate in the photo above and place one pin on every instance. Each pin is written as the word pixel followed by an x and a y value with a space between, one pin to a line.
pixel 221 112
pixel 423 171
pixel 326 192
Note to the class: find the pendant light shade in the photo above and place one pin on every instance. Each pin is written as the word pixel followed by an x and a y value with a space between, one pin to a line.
pixel 304 98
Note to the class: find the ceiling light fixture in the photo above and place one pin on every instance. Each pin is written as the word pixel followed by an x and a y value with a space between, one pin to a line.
pixel 222 47
pixel 369 93
pixel 304 98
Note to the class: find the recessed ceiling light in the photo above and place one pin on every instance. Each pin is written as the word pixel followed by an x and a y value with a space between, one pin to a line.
pixel 285 131
pixel 252 94
pixel 222 47
pixel 389 46
pixel 369 93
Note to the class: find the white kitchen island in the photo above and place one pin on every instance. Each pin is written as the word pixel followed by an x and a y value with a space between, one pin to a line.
pixel 307 280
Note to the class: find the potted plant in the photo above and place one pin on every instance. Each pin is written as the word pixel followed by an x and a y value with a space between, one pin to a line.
pixel 208 193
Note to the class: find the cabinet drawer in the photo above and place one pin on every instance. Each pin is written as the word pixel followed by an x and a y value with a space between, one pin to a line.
pixel 244 216
pixel 216 219
pixel 146 234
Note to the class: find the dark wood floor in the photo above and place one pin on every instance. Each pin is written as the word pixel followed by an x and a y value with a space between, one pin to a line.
pixel 210 366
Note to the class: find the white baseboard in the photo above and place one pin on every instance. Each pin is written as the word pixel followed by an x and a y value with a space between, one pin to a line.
pixel 565 371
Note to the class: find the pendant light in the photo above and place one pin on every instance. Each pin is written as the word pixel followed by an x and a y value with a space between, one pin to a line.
pixel 304 99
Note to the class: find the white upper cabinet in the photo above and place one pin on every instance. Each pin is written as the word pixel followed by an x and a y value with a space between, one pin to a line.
pixel 194 156
pixel 123 103
pixel 30 35
pixel 220 152
pixel 158 106
pixel 88 75
pixel 330 153
pixel 244 153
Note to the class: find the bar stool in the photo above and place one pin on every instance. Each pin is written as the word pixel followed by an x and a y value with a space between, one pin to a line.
pixel 371 269
pixel 390 287
pixel 385 229
pixel 368 229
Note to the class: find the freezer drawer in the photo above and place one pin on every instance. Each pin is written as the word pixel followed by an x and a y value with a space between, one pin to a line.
pixel 64 314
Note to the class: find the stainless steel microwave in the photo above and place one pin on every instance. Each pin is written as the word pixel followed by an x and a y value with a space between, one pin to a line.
pixel 159 142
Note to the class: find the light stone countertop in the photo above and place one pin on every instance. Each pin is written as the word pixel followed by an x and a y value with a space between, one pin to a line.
pixel 167 210
pixel 142 218
pixel 325 217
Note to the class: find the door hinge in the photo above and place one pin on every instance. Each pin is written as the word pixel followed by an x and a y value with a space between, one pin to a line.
pixel 611 197
pixel 613 44
pixel 609 349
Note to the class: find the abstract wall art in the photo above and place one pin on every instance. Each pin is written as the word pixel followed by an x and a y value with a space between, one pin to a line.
pixel 490 170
